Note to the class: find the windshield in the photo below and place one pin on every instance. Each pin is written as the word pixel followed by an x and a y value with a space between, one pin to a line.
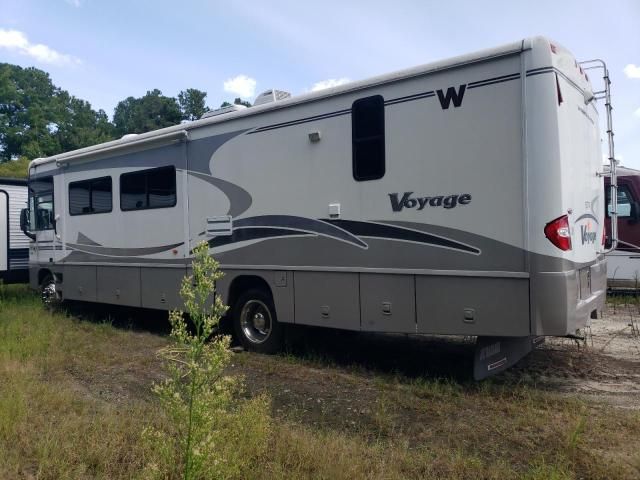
pixel 41 203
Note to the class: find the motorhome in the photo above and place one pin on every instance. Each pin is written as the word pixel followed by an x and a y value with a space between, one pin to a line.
pixel 623 263
pixel 14 244
pixel 451 198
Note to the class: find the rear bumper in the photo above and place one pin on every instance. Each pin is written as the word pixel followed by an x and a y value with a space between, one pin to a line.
pixel 560 306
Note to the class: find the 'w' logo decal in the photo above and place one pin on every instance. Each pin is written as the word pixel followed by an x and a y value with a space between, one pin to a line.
pixel 451 96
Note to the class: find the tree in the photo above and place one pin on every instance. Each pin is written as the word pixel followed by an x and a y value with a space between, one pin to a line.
pixel 239 101
pixel 27 108
pixel 192 103
pixel 39 119
pixel 150 112
pixel 79 125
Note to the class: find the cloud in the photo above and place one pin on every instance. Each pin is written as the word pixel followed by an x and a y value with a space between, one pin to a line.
pixel 632 71
pixel 637 112
pixel 241 85
pixel 331 82
pixel 75 3
pixel 17 41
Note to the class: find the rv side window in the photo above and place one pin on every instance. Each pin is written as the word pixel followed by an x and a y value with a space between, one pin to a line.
pixel 624 201
pixel 90 196
pixel 367 133
pixel 154 188
pixel 41 203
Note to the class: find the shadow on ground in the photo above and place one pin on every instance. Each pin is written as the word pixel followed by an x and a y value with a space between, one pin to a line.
pixel 406 355
pixel 398 354
pixel 128 318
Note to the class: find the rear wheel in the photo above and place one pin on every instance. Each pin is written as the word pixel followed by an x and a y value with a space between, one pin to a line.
pixel 255 322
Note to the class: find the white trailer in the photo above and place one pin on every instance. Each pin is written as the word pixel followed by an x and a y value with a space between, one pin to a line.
pixel 14 244
pixel 623 263
pixel 460 197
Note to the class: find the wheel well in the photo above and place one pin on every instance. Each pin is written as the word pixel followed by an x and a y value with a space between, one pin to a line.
pixel 239 285
pixel 243 283
pixel 42 274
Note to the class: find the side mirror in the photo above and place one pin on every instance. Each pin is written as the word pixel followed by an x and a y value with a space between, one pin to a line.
pixel 25 223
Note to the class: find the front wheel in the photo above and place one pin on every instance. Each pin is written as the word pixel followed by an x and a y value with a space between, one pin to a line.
pixel 48 293
pixel 255 322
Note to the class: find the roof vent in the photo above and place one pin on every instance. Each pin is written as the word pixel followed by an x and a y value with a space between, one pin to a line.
pixel 223 110
pixel 269 96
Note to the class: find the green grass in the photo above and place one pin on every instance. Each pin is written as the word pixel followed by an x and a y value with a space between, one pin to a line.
pixel 75 396
pixel 14 169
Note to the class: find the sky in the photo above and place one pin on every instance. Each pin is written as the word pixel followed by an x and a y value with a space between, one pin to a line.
pixel 106 50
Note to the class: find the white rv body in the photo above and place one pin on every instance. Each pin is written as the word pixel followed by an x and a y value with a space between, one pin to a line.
pixel 480 152
pixel 14 245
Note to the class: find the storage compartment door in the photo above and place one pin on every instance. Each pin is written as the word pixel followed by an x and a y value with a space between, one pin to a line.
pixel 496 307
pixel 119 286
pixel 327 299
pixel 388 303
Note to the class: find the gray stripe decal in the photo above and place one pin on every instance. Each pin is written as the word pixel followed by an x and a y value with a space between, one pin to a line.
pixel 543 70
pixel 122 252
pixel 300 224
pixel 385 231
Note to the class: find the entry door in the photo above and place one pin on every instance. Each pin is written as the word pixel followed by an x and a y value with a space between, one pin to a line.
pixel 44 219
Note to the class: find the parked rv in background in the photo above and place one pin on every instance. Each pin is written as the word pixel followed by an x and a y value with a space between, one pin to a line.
pixel 623 263
pixel 14 244
pixel 461 197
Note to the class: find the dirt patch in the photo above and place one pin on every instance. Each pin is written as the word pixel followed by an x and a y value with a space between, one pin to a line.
pixel 605 366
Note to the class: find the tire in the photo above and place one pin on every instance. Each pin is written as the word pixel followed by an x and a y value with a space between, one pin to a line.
pixel 255 323
pixel 48 293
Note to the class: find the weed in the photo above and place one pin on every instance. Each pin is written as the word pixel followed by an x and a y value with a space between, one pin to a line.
pixel 211 435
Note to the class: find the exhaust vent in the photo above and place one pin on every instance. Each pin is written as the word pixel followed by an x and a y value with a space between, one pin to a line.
pixel 269 96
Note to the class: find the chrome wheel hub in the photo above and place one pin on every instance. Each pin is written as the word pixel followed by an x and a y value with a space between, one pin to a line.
pixel 255 321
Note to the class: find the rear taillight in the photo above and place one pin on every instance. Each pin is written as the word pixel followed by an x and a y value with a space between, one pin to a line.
pixel 558 233
pixel 604 236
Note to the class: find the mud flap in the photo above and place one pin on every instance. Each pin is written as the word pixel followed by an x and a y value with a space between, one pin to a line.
pixel 496 354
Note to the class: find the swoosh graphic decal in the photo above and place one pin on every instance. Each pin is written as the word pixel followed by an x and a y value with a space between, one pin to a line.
pixel 122 252
pixel 390 232
pixel 587 215
pixel 300 224
pixel 239 199
pixel 84 240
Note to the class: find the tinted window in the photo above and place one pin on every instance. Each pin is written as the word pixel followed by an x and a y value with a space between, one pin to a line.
pixel 367 129
pixel 90 196
pixel 155 188
pixel 624 201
